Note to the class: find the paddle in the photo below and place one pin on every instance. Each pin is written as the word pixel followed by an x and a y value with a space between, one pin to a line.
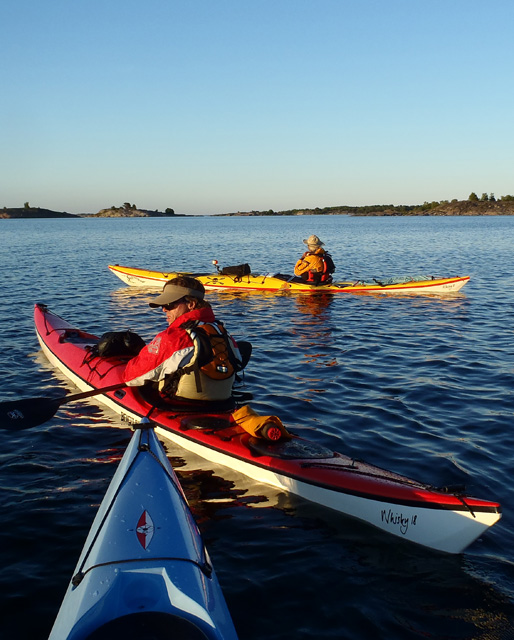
pixel 31 412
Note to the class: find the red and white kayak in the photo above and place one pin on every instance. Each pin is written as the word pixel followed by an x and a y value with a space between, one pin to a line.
pixel 422 285
pixel 436 518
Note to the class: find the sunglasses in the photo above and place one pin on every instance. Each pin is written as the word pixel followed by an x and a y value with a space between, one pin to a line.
pixel 173 305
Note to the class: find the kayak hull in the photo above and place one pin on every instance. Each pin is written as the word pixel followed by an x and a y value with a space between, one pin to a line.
pixel 253 282
pixel 411 510
pixel 143 566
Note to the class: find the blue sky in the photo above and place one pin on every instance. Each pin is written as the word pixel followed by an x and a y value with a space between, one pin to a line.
pixel 215 106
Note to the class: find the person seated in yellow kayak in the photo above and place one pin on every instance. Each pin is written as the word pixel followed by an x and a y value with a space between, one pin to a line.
pixel 194 359
pixel 316 265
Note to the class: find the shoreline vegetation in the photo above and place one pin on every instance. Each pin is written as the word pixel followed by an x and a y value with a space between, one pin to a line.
pixel 487 205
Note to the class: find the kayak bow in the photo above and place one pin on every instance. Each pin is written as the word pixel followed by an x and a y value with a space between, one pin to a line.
pixel 442 519
pixel 254 282
pixel 144 571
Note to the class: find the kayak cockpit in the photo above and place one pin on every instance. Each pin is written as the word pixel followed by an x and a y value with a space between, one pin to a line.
pixel 151 625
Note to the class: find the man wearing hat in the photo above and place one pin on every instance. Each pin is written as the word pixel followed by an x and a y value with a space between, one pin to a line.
pixel 172 350
pixel 315 266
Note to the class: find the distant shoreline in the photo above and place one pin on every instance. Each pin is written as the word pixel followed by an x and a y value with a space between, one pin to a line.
pixel 454 208
pixel 115 212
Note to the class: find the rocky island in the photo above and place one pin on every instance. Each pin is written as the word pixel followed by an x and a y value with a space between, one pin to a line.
pixel 33 212
pixel 127 210
pixel 131 211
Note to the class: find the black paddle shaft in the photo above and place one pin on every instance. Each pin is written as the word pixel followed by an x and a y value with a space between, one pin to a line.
pixel 16 415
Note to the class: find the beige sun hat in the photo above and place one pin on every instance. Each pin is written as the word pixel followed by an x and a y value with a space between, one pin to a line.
pixel 313 241
pixel 172 293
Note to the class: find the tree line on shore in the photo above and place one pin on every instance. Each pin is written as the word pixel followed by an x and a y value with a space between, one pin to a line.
pixel 390 209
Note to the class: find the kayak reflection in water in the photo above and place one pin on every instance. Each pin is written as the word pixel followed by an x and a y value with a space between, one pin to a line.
pixel 194 360
pixel 316 265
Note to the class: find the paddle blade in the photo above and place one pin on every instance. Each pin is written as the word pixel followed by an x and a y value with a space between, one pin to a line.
pixel 24 414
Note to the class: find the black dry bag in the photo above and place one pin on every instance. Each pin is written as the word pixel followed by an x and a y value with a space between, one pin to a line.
pixel 118 343
pixel 238 270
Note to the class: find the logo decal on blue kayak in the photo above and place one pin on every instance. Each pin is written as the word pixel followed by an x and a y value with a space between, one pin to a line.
pixel 145 529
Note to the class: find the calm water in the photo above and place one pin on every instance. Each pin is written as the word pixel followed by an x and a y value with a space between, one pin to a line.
pixel 423 386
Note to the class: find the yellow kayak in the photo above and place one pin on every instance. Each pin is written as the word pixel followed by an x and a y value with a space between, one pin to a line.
pixel 278 282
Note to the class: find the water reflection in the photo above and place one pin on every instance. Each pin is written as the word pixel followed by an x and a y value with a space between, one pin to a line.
pixel 210 496
pixel 131 295
pixel 313 329
pixel 255 297
pixel 132 300
pixel 220 487
pixel 316 305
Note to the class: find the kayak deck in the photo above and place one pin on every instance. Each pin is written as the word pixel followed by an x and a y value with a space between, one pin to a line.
pixel 144 566
pixel 284 283
pixel 442 519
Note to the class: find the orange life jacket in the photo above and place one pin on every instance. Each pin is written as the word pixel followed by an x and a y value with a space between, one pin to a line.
pixel 315 277
pixel 324 276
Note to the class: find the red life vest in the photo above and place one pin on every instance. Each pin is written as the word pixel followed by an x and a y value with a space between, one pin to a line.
pixel 315 277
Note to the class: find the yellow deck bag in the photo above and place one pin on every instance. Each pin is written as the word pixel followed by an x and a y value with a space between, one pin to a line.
pixel 267 427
